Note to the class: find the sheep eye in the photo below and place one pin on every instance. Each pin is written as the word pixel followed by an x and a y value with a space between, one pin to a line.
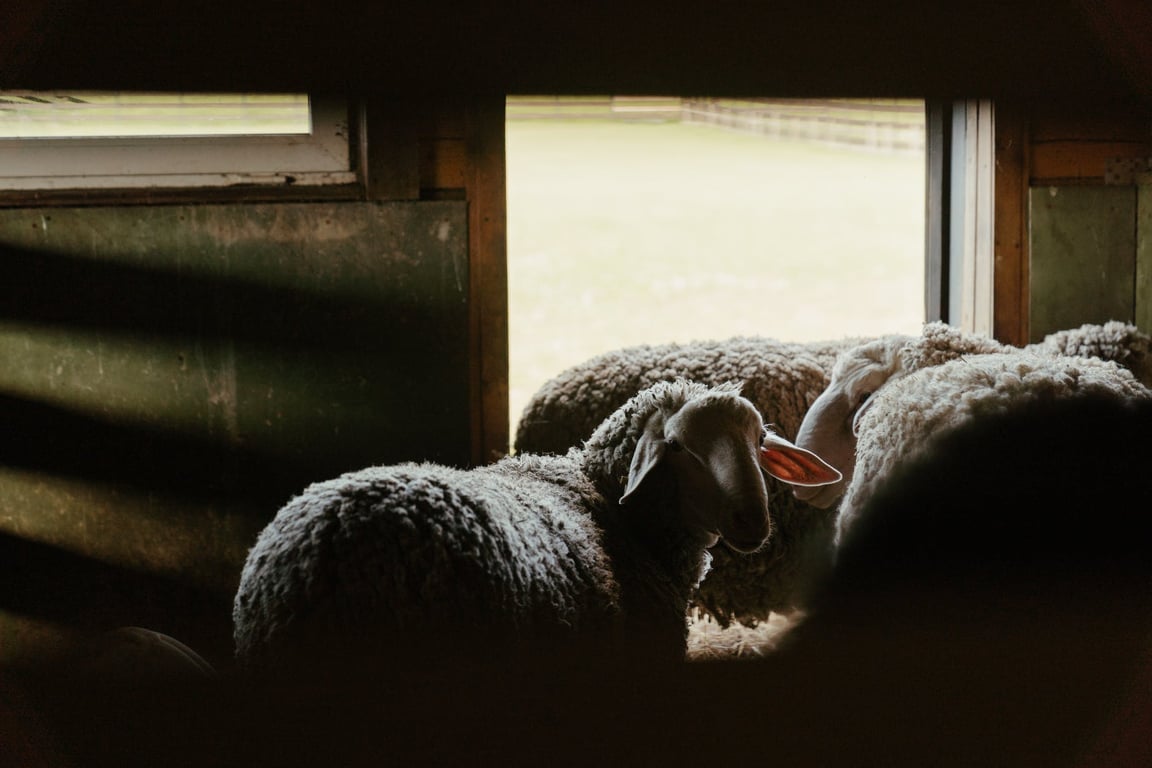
pixel 863 398
pixel 673 444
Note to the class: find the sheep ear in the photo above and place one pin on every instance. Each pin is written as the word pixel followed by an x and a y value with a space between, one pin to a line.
pixel 649 451
pixel 795 465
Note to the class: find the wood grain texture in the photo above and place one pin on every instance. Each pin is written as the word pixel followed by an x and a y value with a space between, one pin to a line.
pixel 1010 288
pixel 488 271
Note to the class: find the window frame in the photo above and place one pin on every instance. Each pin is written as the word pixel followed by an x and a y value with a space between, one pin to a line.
pixel 327 164
pixel 960 268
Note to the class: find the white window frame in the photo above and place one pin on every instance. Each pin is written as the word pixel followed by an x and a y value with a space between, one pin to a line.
pixel 972 268
pixel 323 157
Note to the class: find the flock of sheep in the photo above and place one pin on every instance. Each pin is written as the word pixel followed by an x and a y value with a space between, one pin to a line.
pixel 918 478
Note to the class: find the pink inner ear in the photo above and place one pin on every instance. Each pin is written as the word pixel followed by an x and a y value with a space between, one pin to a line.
pixel 797 466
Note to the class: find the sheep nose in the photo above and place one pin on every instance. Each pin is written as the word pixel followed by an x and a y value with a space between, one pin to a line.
pixel 744 547
pixel 749 532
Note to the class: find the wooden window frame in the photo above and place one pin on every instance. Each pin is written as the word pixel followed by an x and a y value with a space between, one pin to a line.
pixel 287 185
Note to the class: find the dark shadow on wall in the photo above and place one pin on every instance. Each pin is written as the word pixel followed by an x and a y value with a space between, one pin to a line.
pixel 86 596
pixel 200 300
pixel 351 358
pixel 214 380
pixel 66 443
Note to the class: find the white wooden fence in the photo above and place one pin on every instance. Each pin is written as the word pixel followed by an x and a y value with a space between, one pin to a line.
pixel 886 125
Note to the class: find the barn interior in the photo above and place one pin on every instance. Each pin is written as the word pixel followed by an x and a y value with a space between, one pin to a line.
pixel 179 361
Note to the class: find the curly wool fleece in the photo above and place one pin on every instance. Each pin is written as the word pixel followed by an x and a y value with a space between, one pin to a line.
pixel 782 379
pixel 531 547
pixel 908 414
pixel 336 545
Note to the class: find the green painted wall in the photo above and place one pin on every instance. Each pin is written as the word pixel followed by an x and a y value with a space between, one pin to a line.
pixel 1144 257
pixel 1083 256
pixel 172 374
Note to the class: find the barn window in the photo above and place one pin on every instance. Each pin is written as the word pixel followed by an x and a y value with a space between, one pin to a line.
pixel 652 220
pixel 91 140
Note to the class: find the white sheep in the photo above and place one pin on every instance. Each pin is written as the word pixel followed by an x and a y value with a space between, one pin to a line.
pixel 1122 343
pixel 863 370
pixel 905 415
pixel 609 538
pixel 991 603
pixel 993 607
pixel 782 379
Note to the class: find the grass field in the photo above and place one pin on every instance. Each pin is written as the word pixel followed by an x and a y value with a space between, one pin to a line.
pixel 625 233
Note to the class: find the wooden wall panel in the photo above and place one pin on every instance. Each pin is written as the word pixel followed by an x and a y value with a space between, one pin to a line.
pixel 1143 318
pixel 1011 300
pixel 453 149
pixel 1045 153
pixel 1073 146
pixel 1080 161
pixel 390 160
pixel 173 374
pixel 1047 50
pixel 444 164
pixel 488 248
pixel 1127 123
pixel 1083 256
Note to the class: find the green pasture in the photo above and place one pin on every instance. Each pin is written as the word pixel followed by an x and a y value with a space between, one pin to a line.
pixel 624 233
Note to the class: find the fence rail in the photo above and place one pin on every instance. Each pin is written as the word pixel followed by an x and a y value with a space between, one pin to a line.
pixel 888 125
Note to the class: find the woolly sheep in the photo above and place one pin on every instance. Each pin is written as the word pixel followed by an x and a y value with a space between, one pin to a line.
pixel 906 414
pixel 1122 343
pixel 861 371
pixel 1003 625
pixel 529 549
pixel 782 379
pixel 991 604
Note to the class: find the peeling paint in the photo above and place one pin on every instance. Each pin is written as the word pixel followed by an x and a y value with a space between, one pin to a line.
pixel 459 265
pixel 286 225
pixel 443 231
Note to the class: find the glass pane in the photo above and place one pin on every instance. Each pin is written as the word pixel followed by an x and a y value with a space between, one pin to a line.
pixel 87 114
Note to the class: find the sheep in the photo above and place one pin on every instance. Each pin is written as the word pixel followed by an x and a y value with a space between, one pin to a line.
pixel 530 550
pixel 908 412
pixel 1122 343
pixel 1004 625
pixel 991 603
pixel 782 379
pixel 861 371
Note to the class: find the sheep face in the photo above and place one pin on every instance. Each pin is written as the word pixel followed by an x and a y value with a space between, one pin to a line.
pixel 711 447
pixel 829 427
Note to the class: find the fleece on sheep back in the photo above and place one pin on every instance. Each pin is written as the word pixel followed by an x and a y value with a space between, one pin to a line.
pixel 782 379
pixel 909 413
pixel 449 557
